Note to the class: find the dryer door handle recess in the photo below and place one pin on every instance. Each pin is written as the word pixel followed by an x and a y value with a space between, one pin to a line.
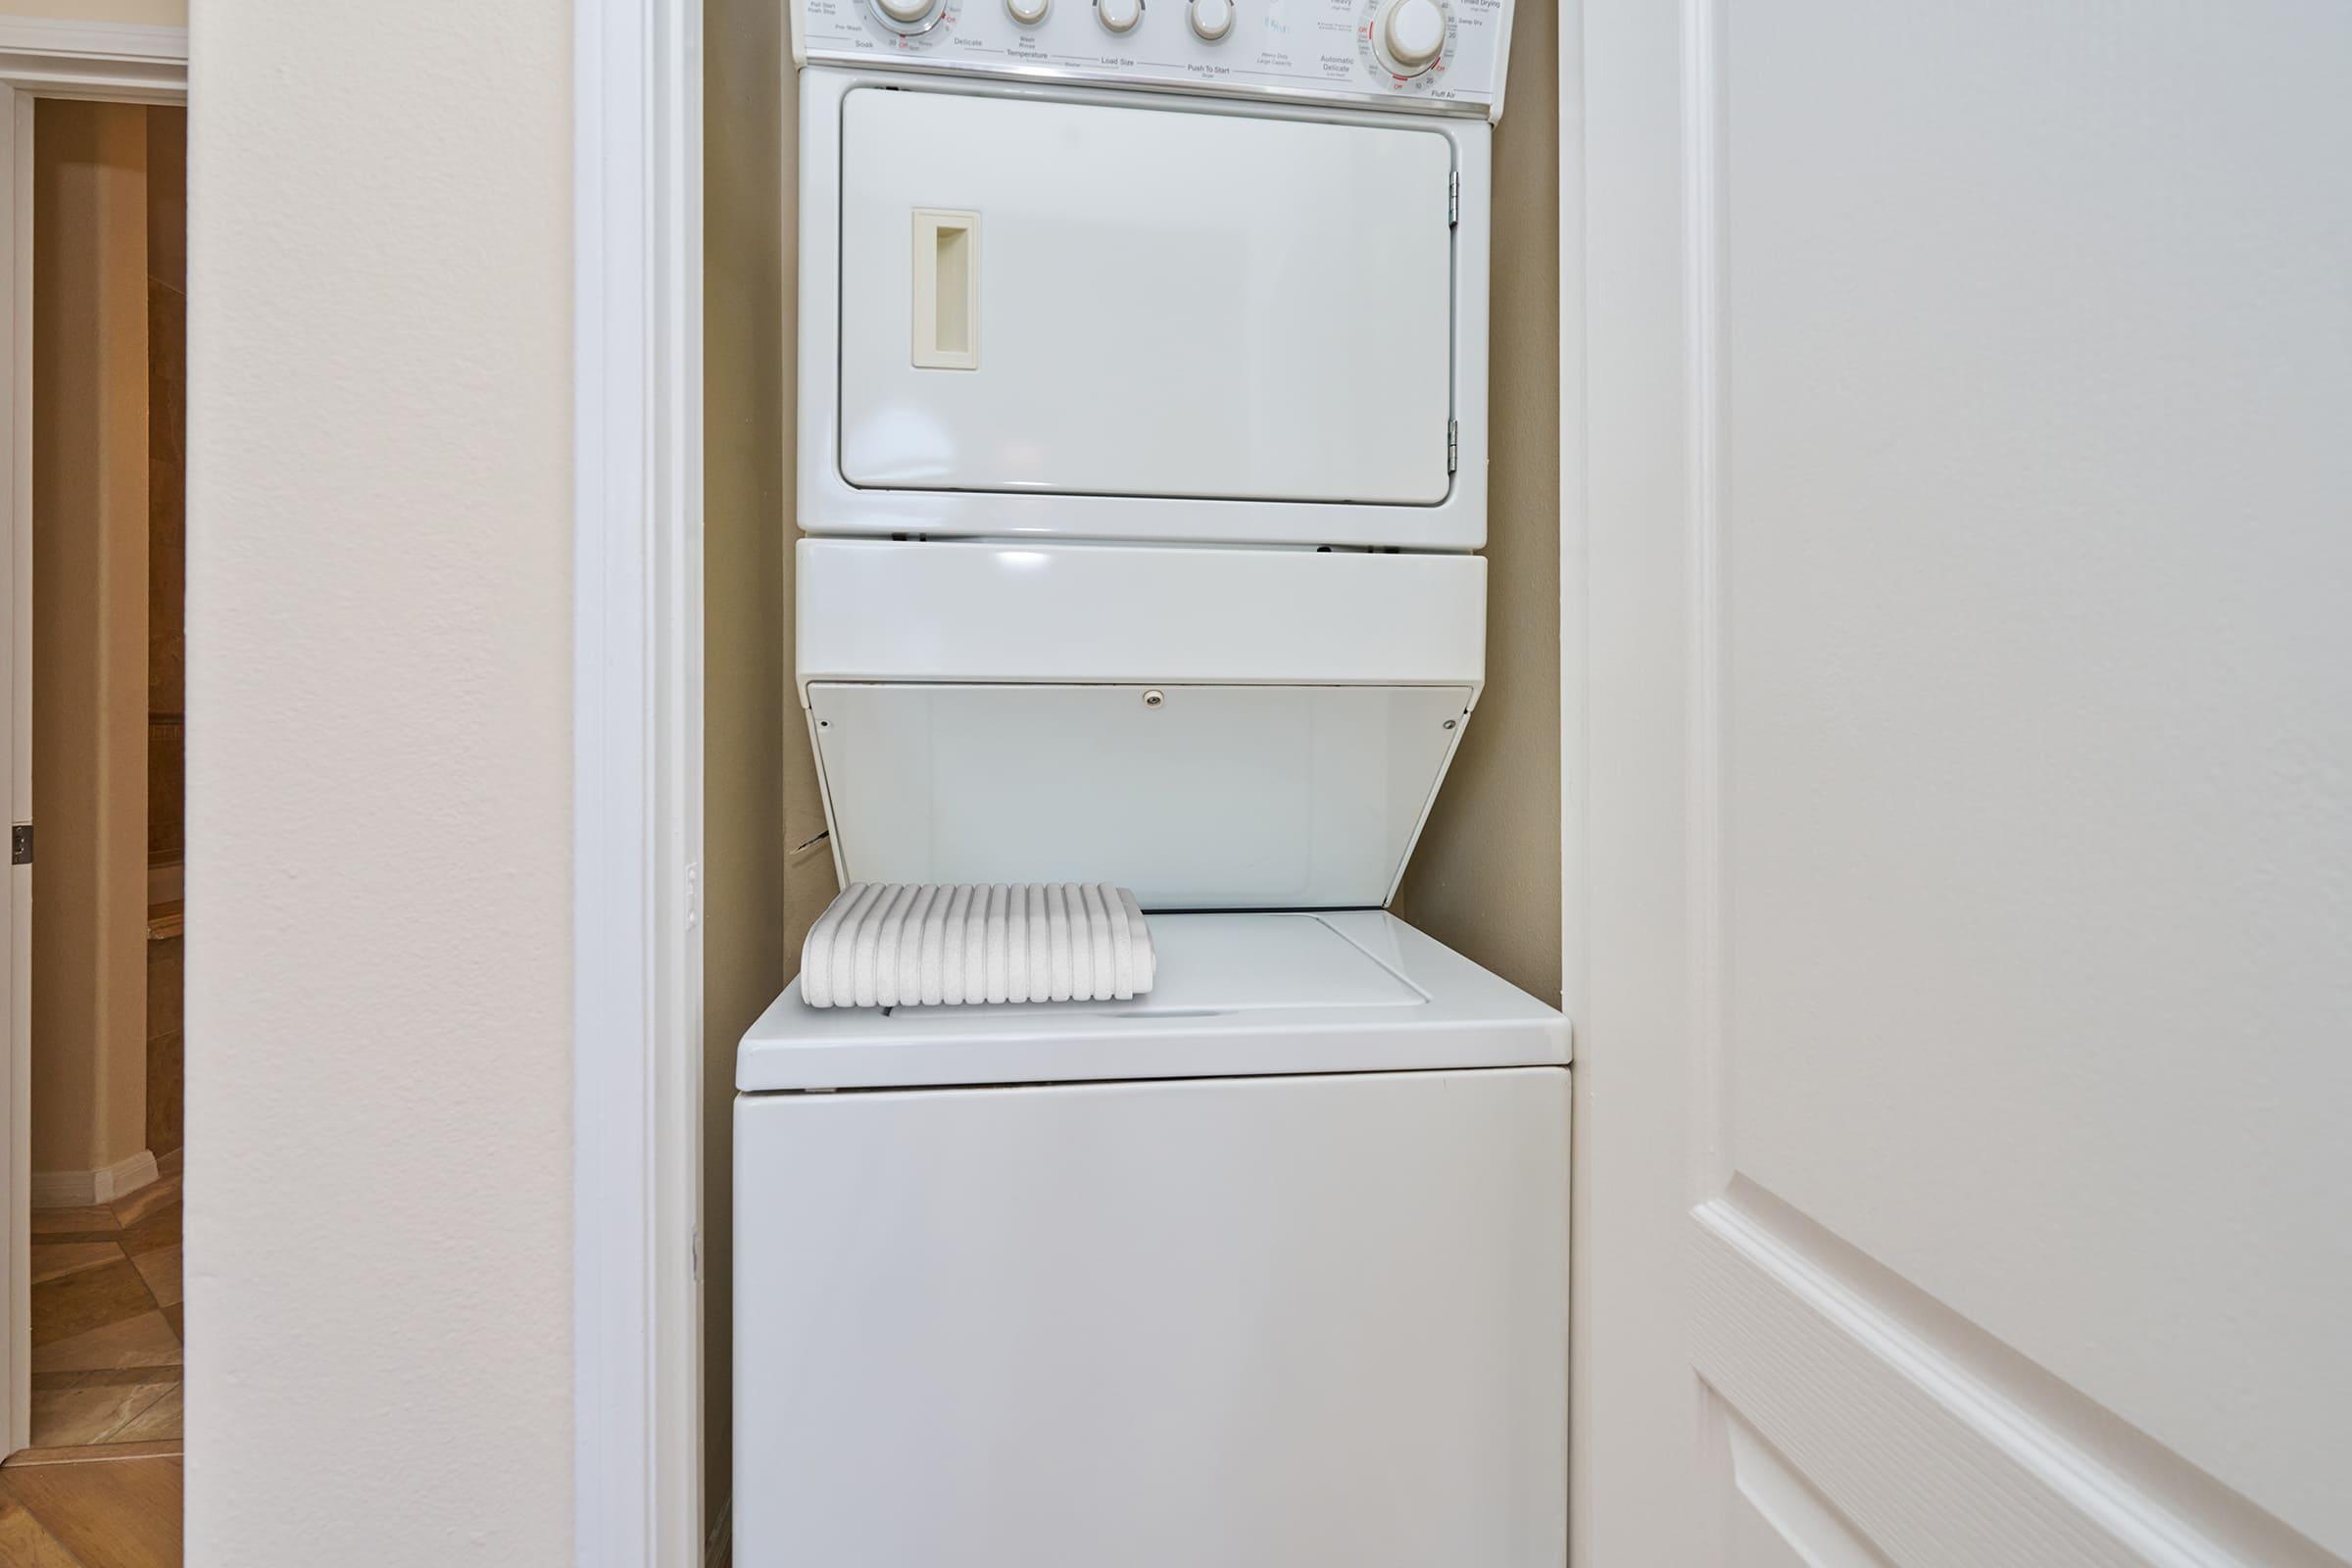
pixel 947 291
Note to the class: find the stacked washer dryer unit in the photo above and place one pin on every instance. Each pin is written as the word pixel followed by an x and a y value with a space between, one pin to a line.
pixel 1141 473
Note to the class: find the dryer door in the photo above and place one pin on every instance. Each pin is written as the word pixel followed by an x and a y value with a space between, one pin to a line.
pixel 1081 299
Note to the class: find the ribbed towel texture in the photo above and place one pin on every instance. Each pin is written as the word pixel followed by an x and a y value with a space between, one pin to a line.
pixel 901 944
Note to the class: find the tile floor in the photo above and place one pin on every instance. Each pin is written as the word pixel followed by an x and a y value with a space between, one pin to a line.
pixel 106 1319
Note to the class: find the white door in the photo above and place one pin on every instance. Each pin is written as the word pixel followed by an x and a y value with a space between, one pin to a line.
pixel 1965 817
pixel 1081 299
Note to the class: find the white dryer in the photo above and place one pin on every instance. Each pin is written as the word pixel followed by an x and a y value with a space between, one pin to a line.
pixel 1142 471
pixel 1038 308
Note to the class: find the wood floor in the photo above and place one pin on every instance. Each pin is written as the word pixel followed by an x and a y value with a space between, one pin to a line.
pixel 119 1511
pixel 101 1486
pixel 106 1319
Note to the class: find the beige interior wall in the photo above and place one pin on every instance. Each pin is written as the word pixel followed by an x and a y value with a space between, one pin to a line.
pixel 770 870
pixel 147 12
pixel 747 485
pixel 89 729
pixel 1486 878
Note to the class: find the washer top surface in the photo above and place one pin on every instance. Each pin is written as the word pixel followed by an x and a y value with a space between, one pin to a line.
pixel 1237 994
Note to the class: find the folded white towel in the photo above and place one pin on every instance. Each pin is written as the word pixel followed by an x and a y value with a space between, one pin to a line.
pixel 902 944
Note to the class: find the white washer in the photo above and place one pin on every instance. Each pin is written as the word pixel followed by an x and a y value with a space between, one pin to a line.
pixel 1267 1269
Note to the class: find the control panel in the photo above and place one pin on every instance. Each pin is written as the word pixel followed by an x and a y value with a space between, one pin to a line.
pixel 1445 55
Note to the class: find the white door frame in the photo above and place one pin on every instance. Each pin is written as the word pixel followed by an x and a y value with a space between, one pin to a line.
pixel 38 59
pixel 637 790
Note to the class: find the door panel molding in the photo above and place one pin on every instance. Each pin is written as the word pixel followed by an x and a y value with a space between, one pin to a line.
pixel 1781 1517
pixel 1934 1461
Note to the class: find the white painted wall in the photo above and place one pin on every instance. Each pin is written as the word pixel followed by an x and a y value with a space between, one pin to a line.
pixel 379 785
pixel 1967 826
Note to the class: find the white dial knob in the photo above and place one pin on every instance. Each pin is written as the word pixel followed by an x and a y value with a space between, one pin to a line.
pixel 1212 19
pixel 1028 13
pixel 1412 33
pixel 903 12
pixel 1119 16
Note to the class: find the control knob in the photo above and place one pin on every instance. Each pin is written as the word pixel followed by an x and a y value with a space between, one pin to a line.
pixel 1119 16
pixel 1412 35
pixel 906 16
pixel 1028 13
pixel 1211 18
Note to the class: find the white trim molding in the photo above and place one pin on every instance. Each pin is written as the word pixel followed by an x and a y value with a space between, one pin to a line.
pixel 112 59
pixel 637 707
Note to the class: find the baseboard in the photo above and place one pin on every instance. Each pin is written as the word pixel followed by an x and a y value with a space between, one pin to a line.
pixel 78 1189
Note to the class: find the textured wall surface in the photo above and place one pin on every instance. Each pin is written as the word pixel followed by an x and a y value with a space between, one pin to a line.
pixel 1486 878
pixel 379 785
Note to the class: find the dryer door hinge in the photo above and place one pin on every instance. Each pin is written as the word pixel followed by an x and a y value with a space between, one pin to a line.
pixel 1453 197
pixel 1454 445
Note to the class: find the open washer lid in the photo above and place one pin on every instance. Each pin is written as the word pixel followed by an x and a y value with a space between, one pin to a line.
pixel 1237 994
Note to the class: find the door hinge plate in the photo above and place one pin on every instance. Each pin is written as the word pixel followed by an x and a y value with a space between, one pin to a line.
pixel 1454 445
pixel 19 843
